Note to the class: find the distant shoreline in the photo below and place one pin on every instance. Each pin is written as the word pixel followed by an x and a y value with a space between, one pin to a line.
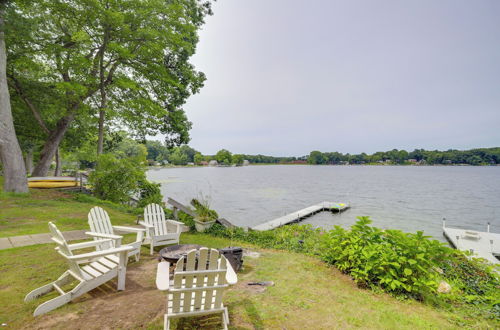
pixel 289 164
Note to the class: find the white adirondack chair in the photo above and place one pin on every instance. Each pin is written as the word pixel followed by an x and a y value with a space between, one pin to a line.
pixel 101 228
pixel 197 286
pixel 89 269
pixel 160 231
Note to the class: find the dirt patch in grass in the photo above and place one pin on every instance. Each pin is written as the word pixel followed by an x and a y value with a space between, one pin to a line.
pixel 250 287
pixel 105 308
pixel 140 306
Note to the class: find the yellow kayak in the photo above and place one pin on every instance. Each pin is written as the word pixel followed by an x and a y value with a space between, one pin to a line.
pixel 52 182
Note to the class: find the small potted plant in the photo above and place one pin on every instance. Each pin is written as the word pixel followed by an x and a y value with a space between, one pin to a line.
pixel 205 217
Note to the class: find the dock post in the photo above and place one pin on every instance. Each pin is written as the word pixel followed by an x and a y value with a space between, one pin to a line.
pixel 488 227
pixel 444 223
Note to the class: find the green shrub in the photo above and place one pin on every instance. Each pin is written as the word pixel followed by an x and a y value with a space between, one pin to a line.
pixel 149 192
pixel 475 282
pixel 187 220
pixel 403 264
pixel 395 261
pixel 117 179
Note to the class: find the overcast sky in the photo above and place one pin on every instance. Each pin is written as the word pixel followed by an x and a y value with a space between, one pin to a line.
pixel 285 77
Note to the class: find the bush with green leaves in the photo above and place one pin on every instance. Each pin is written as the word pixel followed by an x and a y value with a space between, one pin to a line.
pixel 403 264
pixel 117 179
pixel 395 261
pixel 149 192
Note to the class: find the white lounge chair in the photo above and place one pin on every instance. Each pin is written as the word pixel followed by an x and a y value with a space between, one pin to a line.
pixel 89 269
pixel 197 286
pixel 101 228
pixel 160 231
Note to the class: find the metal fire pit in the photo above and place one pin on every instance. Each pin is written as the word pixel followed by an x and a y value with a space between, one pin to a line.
pixel 173 253
pixel 234 255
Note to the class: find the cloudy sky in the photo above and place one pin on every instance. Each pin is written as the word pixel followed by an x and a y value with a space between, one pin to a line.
pixel 287 77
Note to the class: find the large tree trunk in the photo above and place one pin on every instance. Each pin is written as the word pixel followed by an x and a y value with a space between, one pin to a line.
pixel 50 148
pixel 28 160
pixel 11 156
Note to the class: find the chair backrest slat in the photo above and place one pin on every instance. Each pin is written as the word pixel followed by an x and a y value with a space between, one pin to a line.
pixel 189 280
pixel 221 280
pixel 155 216
pixel 64 249
pixel 176 296
pixel 212 283
pixel 202 265
pixel 99 222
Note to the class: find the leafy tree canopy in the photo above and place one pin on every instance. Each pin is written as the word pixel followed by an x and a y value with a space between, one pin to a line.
pixel 223 156
pixel 62 53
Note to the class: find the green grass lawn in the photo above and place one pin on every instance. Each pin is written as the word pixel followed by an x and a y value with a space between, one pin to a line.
pixel 29 214
pixel 307 293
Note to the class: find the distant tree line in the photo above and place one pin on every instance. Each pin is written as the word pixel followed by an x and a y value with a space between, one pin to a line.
pixel 161 153
pixel 184 154
pixel 482 156
pixel 261 159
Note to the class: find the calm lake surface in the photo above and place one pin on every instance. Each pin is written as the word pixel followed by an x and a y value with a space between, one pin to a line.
pixel 409 198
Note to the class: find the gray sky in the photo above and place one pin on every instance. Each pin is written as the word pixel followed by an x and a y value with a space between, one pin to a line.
pixel 287 77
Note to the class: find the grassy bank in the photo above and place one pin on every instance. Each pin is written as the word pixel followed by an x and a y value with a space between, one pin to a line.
pixel 307 292
pixel 24 214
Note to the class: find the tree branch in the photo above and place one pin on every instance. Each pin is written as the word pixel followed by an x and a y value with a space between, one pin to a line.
pixel 31 106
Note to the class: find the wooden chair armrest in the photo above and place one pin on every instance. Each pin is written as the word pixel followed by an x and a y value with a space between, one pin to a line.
pixel 147 225
pixel 174 222
pixel 111 236
pixel 129 229
pixel 102 253
pixel 231 276
pixel 163 276
pixel 83 245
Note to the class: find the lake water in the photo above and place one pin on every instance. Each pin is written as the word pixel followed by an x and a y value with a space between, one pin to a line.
pixel 409 198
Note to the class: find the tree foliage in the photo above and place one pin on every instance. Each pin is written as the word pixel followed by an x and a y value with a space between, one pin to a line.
pixel 483 156
pixel 116 179
pixel 238 159
pixel 223 156
pixel 64 52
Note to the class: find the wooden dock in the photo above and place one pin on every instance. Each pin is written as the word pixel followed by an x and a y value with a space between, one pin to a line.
pixel 482 244
pixel 301 214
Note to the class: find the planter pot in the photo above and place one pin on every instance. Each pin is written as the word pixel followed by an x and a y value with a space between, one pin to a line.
pixel 201 226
